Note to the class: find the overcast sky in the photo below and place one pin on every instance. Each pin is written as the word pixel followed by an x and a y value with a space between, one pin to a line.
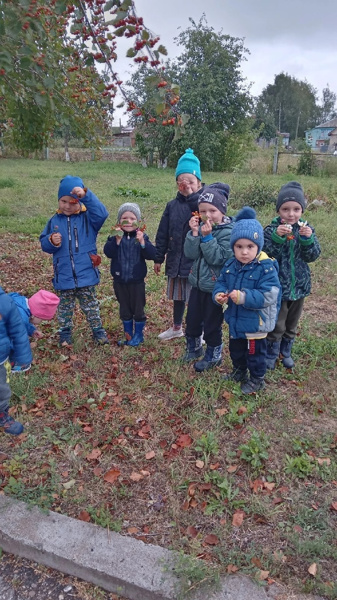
pixel 291 36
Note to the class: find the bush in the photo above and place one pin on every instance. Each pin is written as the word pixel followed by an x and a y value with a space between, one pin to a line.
pixel 307 163
pixel 256 193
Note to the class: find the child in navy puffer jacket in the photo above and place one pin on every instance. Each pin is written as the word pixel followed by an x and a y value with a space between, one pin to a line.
pixel 70 236
pixel 13 335
pixel 250 285
pixel 129 247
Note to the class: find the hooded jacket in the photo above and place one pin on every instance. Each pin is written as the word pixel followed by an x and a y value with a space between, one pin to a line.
pixel 13 334
pixel 209 255
pixel 293 256
pixel 73 266
pixel 261 286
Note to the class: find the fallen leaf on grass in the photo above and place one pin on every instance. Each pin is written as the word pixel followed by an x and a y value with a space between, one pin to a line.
pixel 150 455
pixel 232 568
pixel 333 506
pixel 256 562
pixel 238 517
pixel 199 464
pixel 211 540
pixel 98 471
pixel 112 475
pixel 232 468
pixel 269 486
pixel 132 530
pixel 242 410
pixel 262 575
pixel 69 484
pixel 191 531
pixel 221 411
pixel 84 516
pixel 94 454
pixel 323 461
pixel 136 477
pixel 184 440
pixel 227 395
pixel 313 569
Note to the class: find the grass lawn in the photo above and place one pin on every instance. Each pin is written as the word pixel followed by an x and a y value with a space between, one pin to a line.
pixel 131 439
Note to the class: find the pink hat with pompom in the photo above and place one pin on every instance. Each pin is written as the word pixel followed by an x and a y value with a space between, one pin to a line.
pixel 43 305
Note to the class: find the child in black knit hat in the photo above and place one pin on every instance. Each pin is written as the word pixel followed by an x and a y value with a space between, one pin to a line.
pixel 294 244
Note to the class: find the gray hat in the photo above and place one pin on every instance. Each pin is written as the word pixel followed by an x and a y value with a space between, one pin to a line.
pixel 131 207
pixel 291 192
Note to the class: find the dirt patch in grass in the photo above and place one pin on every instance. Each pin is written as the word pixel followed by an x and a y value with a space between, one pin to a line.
pixel 131 439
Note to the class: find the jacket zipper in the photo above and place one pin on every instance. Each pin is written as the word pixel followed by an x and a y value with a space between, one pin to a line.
pixel 76 239
pixel 71 251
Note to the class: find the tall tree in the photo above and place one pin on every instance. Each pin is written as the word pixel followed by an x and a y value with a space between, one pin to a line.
pixel 212 93
pixel 328 109
pixel 290 104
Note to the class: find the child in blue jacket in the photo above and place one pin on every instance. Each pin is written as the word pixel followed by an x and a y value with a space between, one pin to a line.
pixel 129 248
pixel 70 236
pixel 250 285
pixel 13 335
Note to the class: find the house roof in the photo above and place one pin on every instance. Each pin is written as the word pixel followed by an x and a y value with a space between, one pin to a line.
pixel 332 123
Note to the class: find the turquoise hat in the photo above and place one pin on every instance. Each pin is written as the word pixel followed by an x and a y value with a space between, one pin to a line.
pixel 189 163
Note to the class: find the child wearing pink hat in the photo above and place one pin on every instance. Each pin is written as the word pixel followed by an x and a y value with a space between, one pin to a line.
pixel 41 306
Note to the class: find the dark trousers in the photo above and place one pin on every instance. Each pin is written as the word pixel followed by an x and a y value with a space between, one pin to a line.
pixel 249 354
pixel 287 320
pixel 204 316
pixel 131 299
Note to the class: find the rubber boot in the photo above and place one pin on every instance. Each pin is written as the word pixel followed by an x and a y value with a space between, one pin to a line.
pixel 285 351
pixel 193 348
pixel 128 330
pixel 253 385
pixel 212 358
pixel 273 352
pixel 138 337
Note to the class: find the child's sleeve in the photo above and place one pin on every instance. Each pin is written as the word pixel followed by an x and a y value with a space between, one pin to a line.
pixel 309 247
pixel 96 210
pixel 149 252
pixel 162 237
pixel 18 334
pixel 273 243
pixel 45 242
pixel 111 247
pixel 192 245
pixel 267 293
pixel 221 285
pixel 216 251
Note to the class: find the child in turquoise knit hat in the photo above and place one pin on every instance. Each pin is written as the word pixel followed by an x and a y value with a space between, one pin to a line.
pixel 170 239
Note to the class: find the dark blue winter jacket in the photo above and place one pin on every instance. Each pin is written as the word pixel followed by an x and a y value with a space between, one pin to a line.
pixel 22 304
pixel 13 331
pixel 261 289
pixel 171 234
pixel 128 258
pixel 73 266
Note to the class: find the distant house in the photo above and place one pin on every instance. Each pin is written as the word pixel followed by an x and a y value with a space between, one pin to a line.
pixel 123 137
pixel 323 136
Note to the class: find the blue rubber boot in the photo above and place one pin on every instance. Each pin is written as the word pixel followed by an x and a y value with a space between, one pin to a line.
pixel 212 358
pixel 193 348
pixel 9 425
pixel 138 337
pixel 128 330
pixel 273 352
pixel 285 351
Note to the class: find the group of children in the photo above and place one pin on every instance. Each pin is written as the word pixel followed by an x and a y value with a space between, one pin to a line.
pixel 214 263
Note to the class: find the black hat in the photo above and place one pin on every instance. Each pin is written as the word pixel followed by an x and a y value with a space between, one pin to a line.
pixel 291 192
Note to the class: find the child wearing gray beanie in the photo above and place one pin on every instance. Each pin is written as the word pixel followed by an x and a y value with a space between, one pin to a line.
pixel 293 243
pixel 128 248
pixel 249 289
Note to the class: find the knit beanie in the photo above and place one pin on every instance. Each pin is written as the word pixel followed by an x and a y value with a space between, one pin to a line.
pixel 291 191
pixel 216 194
pixel 67 184
pixel 247 227
pixel 131 207
pixel 189 163
pixel 43 305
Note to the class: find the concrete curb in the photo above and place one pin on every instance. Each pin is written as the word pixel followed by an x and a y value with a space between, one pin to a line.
pixel 116 563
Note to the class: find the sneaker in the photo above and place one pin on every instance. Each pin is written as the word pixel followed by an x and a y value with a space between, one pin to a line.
pixel 237 375
pixel 253 385
pixel 100 336
pixel 15 368
pixel 171 333
pixel 9 425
